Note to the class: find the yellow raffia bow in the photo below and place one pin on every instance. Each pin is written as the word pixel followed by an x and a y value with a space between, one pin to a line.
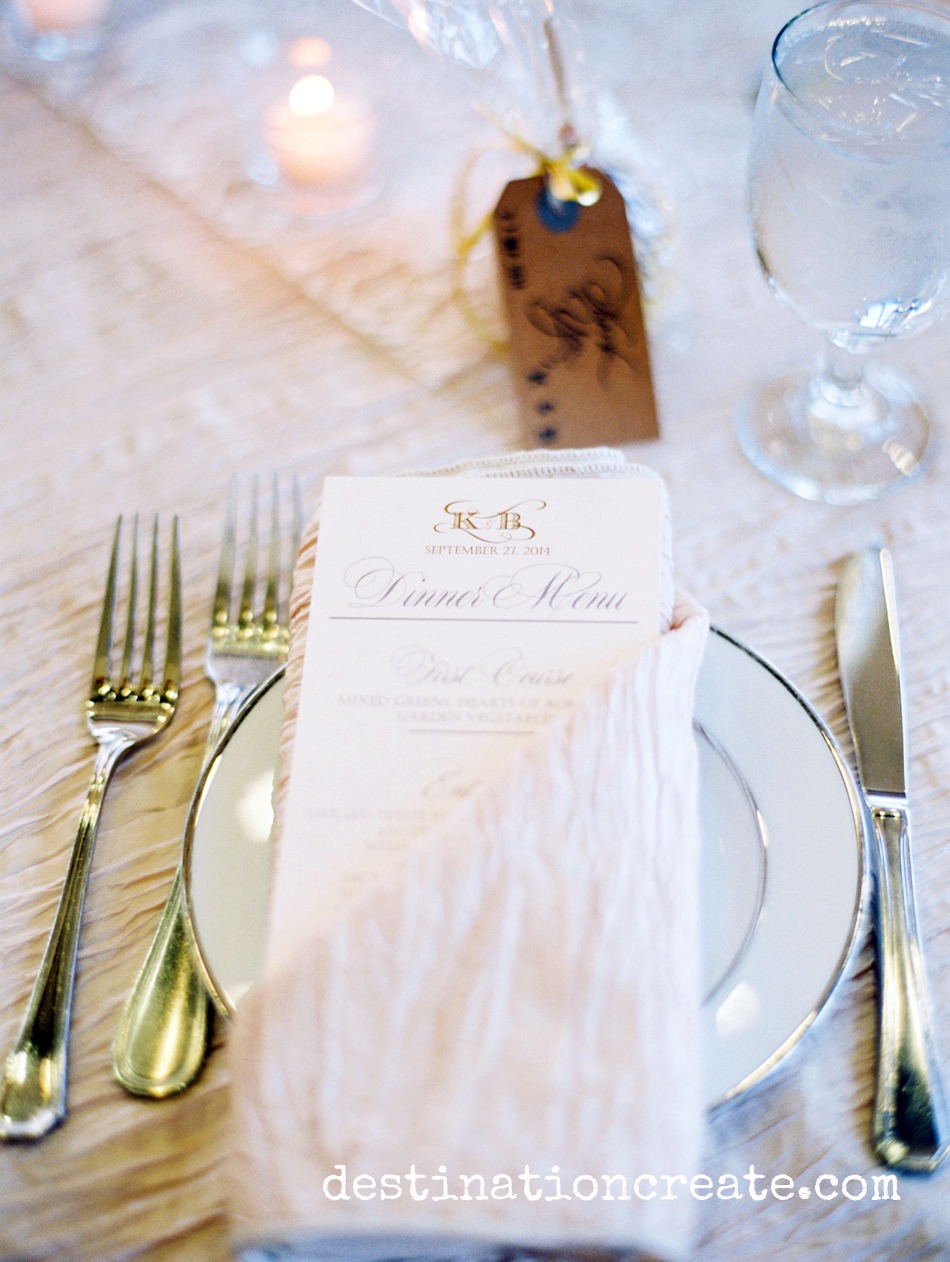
pixel 567 181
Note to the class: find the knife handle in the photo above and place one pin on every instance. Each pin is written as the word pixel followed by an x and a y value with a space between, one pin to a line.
pixel 910 1117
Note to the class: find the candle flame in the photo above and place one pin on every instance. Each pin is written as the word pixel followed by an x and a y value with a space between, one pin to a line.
pixel 313 94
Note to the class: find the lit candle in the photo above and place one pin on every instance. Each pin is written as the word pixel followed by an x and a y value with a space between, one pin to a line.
pixel 320 140
pixel 62 15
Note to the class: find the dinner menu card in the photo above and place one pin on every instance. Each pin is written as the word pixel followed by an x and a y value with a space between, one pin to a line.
pixel 450 618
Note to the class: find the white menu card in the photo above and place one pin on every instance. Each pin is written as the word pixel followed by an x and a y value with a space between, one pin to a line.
pixel 450 618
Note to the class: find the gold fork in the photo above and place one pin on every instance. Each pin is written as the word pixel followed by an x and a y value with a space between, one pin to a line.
pixel 162 1038
pixel 121 712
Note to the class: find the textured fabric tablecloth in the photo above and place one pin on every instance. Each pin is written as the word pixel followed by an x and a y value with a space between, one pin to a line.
pixel 159 332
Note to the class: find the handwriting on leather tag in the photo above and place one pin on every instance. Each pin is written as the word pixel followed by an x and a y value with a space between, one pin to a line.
pixel 572 297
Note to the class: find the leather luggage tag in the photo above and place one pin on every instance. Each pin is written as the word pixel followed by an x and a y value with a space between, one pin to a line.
pixel 572 298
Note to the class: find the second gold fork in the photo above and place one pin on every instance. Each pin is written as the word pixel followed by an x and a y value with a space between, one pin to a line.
pixel 162 1039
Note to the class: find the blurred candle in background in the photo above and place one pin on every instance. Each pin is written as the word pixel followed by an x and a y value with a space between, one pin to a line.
pixel 320 139
pixel 312 124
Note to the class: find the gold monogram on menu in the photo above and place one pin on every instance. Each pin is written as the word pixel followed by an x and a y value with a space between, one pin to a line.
pixel 505 525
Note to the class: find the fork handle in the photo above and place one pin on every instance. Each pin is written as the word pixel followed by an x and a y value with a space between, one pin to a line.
pixel 162 1038
pixel 228 699
pixel 163 1035
pixel 33 1086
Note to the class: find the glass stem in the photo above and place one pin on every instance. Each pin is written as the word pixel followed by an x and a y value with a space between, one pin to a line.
pixel 841 377
pixel 840 402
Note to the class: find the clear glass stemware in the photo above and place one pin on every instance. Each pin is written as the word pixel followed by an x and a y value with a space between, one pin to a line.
pixel 849 200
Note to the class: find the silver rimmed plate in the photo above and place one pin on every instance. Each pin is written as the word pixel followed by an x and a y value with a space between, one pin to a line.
pixel 783 861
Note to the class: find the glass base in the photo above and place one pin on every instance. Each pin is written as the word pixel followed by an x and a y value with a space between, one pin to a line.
pixel 313 202
pixel 824 450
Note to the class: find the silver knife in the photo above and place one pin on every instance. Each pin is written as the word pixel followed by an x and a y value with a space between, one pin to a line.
pixel 910 1116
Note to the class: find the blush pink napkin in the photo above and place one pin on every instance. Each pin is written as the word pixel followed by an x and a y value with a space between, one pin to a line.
pixel 522 994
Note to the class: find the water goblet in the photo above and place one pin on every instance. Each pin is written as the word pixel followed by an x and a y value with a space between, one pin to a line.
pixel 849 201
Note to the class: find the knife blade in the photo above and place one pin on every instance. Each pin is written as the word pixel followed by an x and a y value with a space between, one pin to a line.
pixel 870 669
pixel 910 1128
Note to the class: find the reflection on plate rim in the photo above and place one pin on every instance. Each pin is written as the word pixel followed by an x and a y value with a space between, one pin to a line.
pixel 745 789
pixel 861 827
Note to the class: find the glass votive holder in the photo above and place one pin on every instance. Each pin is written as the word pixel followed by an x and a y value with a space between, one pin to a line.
pixel 311 126
pixel 54 30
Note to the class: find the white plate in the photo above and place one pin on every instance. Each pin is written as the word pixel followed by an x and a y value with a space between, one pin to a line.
pixel 783 861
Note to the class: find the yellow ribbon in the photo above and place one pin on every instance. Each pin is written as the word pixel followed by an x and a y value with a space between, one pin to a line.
pixel 567 181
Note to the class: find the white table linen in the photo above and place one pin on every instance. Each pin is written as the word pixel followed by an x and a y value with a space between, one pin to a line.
pixel 146 352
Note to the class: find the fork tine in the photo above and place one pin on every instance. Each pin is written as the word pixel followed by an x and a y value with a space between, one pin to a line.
pixel 173 635
pixel 148 643
pixel 125 674
pixel 246 615
pixel 221 610
pixel 296 534
pixel 100 668
pixel 273 563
